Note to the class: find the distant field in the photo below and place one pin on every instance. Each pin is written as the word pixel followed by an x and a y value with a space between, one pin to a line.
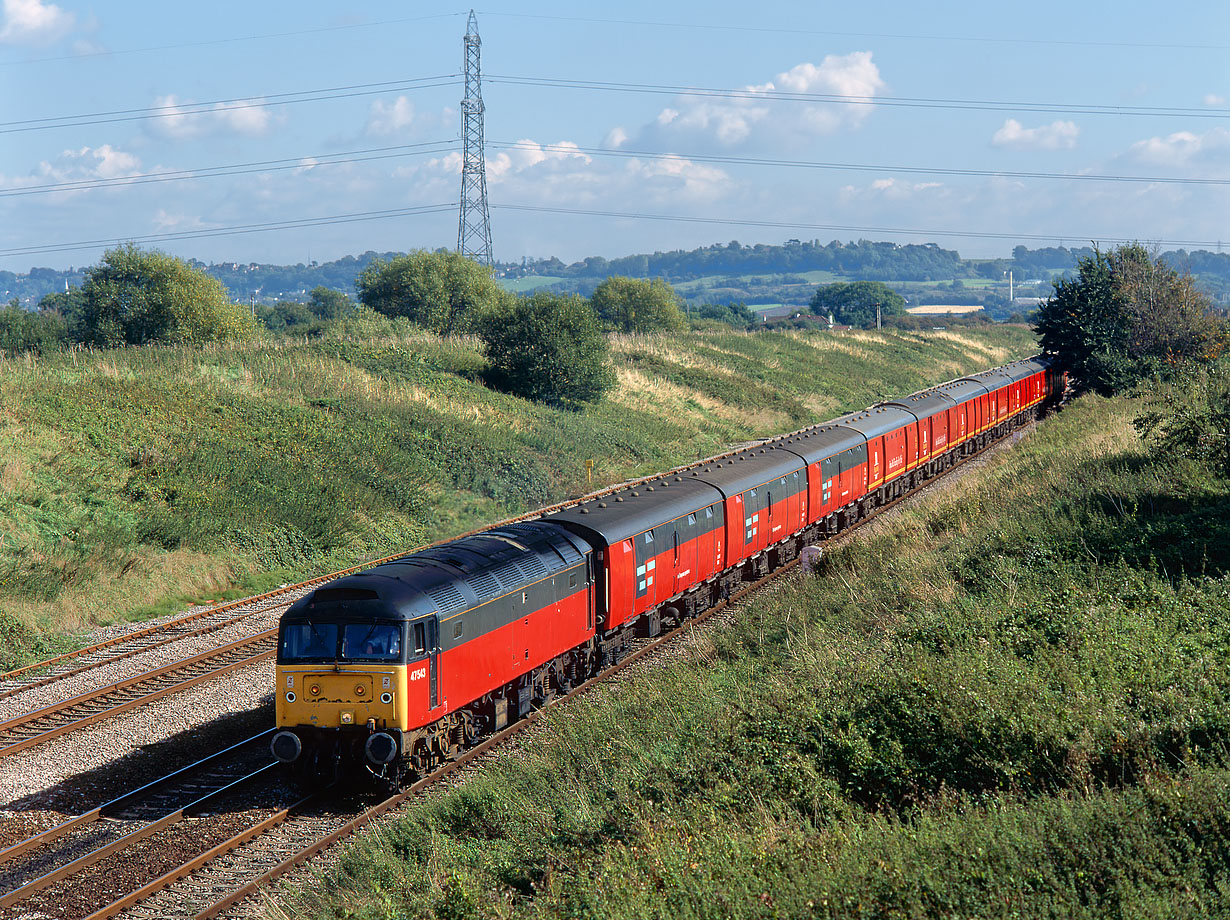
pixel 979 283
pixel 531 283
pixel 939 309
pixel 698 284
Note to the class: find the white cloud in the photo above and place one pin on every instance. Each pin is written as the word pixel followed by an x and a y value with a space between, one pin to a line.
pixel 164 220
pixel 1058 135
pixel 754 115
pixel 1214 99
pixel 390 117
pixel 34 22
pixel 1185 148
pixel 891 190
pixel 184 121
pixel 615 138
pixel 104 162
pixel 81 165
pixel 527 154
pixel 561 174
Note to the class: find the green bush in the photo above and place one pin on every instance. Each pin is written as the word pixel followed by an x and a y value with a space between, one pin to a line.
pixel 443 291
pixel 548 348
pixel 635 305
pixel 22 331
pixel 139 297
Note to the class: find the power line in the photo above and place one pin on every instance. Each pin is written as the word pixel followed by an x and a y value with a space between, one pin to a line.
pixel 429 148
pixel 227 41
pixel 979 39
pixel 312 161
pixel 845 99
pixel 363 216
pixel 268 227
pixel 841 228
pixel 185 109
pixel 857 167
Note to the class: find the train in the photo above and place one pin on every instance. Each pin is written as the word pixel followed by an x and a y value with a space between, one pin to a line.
pixel 394 670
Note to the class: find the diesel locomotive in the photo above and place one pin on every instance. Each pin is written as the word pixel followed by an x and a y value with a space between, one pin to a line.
pixel 398 668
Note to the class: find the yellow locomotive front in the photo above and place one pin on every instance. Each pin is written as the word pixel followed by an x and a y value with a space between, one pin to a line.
pixel 342 691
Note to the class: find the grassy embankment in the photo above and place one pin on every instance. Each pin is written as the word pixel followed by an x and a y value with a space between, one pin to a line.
pixel 131 480
pixel 1010 701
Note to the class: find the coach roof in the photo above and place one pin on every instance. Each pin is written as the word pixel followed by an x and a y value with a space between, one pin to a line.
pixel 748 469
pixel 962 390
pixel 821 441
pixel 877 420
pixel 925 404
pixel 634 510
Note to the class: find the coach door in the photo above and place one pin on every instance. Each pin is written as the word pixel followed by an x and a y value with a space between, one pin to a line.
pixel 433 666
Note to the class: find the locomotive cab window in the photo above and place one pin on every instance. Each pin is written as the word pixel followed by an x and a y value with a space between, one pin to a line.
pixel 420 638
pixel 309 641
pixel 458 628
pixel 371 642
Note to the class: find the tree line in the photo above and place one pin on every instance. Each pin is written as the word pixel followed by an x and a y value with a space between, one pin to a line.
pixel 860 260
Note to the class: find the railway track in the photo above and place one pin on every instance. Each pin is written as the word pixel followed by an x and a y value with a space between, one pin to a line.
pixel 62 870
pixel 28 729
pixel 242 842
pixel 121 648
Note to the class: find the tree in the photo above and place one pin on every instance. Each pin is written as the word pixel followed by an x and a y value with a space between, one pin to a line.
pixel 1125 316
pixel 548 348
pixel 327 303
pixel 634 305
pixel 854 303
pixel 441 291
pixel 138 297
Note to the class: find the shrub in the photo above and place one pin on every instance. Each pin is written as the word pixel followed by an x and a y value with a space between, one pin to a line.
pixel 22 331
pixel 548 348
pixel 443 292
pixel 139 297
pixel 635 305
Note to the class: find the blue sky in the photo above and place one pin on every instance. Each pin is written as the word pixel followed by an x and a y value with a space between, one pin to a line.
pixel 274 112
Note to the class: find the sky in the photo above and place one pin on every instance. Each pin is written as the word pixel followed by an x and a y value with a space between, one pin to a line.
pixel 289 132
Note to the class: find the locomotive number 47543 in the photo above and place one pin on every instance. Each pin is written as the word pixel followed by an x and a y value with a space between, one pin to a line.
pixel 419 673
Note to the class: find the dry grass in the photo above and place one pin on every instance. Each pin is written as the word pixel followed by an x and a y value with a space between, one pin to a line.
pixel 643 392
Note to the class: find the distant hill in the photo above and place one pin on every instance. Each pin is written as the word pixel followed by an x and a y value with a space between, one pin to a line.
pixel 758 275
